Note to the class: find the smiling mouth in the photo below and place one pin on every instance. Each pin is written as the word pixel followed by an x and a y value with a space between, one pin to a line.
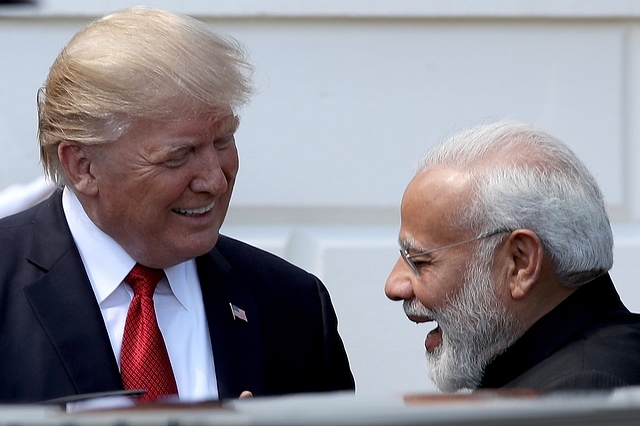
pixel 434 337
pixel 418 313
pixel 195 212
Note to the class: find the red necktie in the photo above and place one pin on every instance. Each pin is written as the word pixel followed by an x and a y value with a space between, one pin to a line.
pixel 144 362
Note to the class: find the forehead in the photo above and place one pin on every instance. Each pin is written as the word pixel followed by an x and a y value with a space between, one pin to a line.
pixel 211 124
pixel 148 134
pixel 429 202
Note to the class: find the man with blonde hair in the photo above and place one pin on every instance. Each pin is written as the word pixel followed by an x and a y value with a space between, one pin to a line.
pixel 506 244
pixel 120 280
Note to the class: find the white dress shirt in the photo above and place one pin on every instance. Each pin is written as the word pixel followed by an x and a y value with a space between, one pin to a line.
pixel 177 300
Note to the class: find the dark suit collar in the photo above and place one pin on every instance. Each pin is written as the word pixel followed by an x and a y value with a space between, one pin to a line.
pixel 236 344
pixel 548 334
pixel 62 298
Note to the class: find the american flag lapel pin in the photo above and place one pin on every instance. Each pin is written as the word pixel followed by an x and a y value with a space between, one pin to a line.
pixel 238 313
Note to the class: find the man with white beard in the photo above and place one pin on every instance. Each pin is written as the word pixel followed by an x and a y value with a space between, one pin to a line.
pixel 505 243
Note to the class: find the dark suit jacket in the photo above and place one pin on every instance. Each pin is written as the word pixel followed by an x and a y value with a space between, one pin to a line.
pixel 589 341
pixel 53 341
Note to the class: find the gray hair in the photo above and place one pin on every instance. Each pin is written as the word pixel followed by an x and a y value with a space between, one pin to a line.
pixel 136 63
pixel 522 177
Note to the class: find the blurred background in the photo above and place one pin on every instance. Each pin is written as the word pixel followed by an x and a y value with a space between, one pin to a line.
pixel 351 93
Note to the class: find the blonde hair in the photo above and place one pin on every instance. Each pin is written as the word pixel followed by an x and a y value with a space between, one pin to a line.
pixel 136 63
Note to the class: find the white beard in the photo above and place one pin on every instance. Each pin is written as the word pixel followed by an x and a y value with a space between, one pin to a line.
pixel 475 328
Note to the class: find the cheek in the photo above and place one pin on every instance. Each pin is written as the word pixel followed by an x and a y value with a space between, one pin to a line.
pixel 499 276
pixel 430 291
pixel 436 289
pixel 501 286
pixel 144 205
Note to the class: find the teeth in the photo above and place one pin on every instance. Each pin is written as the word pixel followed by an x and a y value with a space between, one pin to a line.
pixel 201 210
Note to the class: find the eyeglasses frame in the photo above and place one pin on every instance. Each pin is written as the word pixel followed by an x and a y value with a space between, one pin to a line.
pixel 408 258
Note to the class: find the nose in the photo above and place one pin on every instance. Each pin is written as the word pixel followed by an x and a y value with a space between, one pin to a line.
pixel 399 283
pixel 209 175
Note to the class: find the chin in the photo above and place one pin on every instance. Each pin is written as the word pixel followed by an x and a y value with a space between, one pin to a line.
pixel 200 246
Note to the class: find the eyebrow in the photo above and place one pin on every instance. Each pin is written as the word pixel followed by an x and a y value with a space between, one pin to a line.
pixel 230 125
pixel 409 244
pixel 171 150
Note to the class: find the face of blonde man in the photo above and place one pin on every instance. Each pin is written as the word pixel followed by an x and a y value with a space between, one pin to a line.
pixel 162 190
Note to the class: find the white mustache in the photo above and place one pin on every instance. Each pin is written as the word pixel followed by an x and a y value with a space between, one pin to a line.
pixel 413 307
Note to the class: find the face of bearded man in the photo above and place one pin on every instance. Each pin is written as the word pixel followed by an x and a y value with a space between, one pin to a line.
pixel 475 328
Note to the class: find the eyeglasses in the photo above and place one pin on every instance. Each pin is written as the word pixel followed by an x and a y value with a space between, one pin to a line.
pixel 409 257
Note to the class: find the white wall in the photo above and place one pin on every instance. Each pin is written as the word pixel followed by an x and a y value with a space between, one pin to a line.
pixel 351 95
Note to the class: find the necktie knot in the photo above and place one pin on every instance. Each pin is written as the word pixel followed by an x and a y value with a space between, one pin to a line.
pixel 143 280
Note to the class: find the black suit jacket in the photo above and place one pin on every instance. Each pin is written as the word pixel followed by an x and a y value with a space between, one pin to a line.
pixel 589 341
pixel 53 341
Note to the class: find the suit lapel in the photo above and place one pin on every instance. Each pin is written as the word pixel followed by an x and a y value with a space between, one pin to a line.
pixel 236 344
pixel 64 303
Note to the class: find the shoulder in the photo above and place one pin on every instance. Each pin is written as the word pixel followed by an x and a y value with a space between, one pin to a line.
pixel 613 344
pixel 252 260
pixel 18 230
pixel 50 208
pixel 40 224
pixel 604 355
pixel 265 275
pixel 19 219
pixel 38 237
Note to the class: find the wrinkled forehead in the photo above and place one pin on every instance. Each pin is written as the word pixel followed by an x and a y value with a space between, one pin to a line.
pixel 219 118
pixel 431 203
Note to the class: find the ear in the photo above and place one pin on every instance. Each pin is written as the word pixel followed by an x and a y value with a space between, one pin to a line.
pixel 525 256
pixel 76 161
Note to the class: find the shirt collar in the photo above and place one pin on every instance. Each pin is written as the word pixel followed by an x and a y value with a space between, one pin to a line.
pixel 107 263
